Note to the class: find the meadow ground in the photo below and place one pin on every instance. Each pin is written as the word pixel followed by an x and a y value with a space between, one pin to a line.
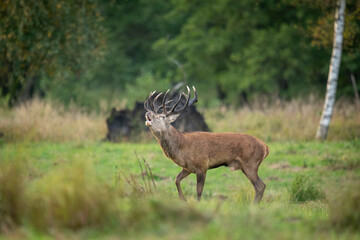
pixel 62 185
pixel 58 180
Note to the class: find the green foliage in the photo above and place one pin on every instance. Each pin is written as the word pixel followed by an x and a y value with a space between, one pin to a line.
pixel 43 39
pixel 246 48
pixel 132 27
pixel 84 52
pixel 234 50
pixel 304 189
pixel 140 88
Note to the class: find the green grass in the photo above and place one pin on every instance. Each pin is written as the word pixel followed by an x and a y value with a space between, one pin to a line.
pixel 68 178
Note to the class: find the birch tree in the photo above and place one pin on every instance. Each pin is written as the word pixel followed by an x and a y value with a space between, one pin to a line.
pixel 333 71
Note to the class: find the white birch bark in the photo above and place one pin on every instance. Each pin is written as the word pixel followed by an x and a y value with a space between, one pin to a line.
pixel 333 71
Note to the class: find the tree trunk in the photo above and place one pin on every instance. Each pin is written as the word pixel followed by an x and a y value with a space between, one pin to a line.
pixel 333 71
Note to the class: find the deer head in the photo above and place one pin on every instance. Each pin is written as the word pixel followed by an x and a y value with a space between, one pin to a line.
pixel 159 122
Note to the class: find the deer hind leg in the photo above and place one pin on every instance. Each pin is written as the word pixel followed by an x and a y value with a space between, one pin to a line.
pixel 258 184
pixel 200 178
pixel 183 174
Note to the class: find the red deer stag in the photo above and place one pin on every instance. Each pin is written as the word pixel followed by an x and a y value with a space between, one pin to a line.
pixel 196 152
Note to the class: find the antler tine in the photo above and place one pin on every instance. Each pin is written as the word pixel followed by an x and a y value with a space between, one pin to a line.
pixel 163 102
pixel 177 102
pixel 147 105
pixel 146 108
pixel 152 94
pixel 157 96
pixel 187 97
pixel 169 101
pixel 194 100
pixel 165 105
pixel 154 102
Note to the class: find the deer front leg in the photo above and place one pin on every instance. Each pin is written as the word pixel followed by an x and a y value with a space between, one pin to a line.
pixel 200 178
pixel 183 174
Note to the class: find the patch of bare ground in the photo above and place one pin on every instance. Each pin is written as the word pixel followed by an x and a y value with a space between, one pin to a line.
pixel 287 166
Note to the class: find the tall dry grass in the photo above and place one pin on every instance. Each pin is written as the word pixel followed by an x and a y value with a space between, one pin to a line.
pixel 286 121
pixel 38 120
pixel 297 120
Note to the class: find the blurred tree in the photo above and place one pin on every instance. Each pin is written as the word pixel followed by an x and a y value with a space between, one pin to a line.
pixel 42 39
pixel 129 64
pixel 132 27
pixel 245 48
pixel 238 50
pixel 333 71
pixel 322 32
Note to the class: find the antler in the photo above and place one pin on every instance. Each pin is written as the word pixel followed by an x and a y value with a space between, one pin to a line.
pixel 188 102
pixel 149 104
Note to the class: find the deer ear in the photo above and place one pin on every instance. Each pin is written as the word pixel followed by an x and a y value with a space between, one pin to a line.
pixel 172 118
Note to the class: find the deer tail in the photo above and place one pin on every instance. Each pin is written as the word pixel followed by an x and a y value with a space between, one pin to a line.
pixel 266 151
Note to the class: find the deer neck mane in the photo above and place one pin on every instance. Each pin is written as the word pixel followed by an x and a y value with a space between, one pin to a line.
pixel 170 141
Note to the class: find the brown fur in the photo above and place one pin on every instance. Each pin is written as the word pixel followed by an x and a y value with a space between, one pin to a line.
pixel 196 152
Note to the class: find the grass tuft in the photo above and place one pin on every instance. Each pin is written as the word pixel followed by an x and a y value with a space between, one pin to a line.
pixel 344 206
pixel 12 203
pixel 70 197
pixel 143 187
pixel 303 189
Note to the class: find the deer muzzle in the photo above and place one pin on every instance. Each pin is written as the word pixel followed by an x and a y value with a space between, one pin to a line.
pixel 148 119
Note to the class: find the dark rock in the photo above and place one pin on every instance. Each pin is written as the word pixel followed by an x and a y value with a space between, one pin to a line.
pixel 128 124
pixel 119 125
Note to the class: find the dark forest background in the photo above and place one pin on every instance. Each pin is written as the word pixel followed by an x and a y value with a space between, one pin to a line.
pixel 232 51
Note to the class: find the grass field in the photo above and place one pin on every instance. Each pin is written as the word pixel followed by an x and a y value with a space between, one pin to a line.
pixel 58 180
pixel 95 190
